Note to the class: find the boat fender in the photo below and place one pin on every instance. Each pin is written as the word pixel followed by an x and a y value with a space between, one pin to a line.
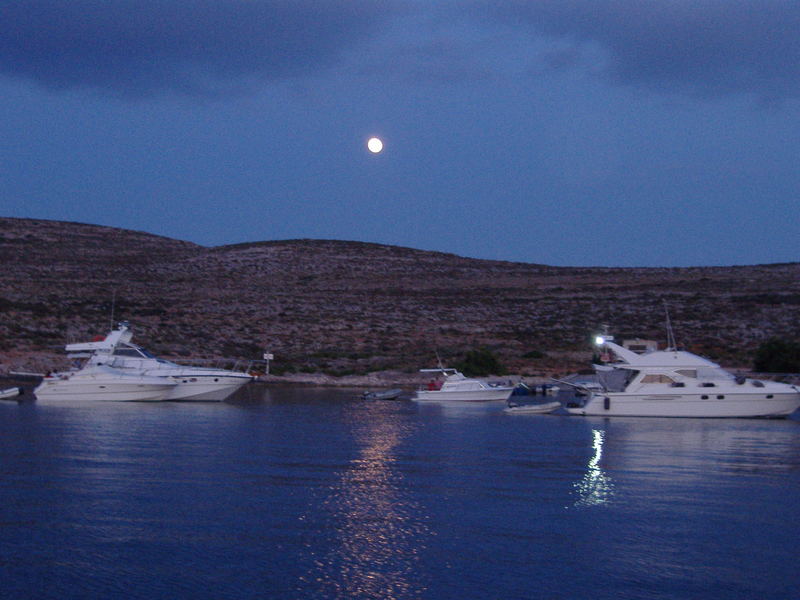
pixel 606 403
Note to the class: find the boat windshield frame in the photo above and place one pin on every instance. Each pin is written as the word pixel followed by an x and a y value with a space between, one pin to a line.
pixel 128 350
pixel 612 382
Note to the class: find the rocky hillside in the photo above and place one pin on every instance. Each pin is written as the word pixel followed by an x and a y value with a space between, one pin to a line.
pixel 349 307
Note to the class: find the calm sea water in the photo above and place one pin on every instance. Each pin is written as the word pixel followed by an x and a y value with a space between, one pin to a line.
pixel 308 493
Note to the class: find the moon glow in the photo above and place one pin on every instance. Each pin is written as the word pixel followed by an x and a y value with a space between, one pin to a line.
pixel 374 145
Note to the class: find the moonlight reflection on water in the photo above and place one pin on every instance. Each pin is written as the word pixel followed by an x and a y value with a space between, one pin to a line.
pixel 379 529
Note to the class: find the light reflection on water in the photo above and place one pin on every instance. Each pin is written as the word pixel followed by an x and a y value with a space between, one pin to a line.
pixel 313 494
pixel 710 501
pixel 379 530
pixel 595 487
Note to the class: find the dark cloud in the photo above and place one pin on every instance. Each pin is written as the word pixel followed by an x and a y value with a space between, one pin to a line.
pixel 706 47
pixel 144 46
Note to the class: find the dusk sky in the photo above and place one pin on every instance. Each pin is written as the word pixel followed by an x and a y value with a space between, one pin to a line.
pixel 564 132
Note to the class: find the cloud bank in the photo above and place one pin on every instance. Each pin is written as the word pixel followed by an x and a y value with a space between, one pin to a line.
pixel 145 46
pixel 705 47
pixel 139 47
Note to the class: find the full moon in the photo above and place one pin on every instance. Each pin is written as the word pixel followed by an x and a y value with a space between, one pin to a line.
pixel 375 145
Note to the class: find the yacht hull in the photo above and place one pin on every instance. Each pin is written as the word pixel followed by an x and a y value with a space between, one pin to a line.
pixel 205 389
pixel 741 405
pixel 70 390
pixel 484 395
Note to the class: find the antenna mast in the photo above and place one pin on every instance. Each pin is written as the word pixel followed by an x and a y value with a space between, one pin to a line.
pixel 113 302
pixel 671 344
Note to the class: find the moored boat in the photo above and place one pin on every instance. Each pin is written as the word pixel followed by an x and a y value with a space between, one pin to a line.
pixel 191 383
pixel 10 393
pixel 676 383
pixel 453 386
pixel 392 394
pixel 534 408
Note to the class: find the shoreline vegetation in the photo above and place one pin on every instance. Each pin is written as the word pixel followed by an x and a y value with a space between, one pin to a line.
pixel 354 313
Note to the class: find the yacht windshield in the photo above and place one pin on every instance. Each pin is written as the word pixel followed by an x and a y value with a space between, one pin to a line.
pixel 617 379
pixel 127 352
pixel 713 373
pixel 134 351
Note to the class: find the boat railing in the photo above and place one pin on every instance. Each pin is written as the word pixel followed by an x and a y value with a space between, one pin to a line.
pixel 500 384
pixel 239 365
pixel 790 378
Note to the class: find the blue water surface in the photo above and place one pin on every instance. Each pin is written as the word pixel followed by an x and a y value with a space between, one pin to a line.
pixel 312 493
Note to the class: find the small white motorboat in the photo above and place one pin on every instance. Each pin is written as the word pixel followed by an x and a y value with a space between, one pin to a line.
pixel 10 393
pixel 455 387
pixel 392 394
pixel 537 408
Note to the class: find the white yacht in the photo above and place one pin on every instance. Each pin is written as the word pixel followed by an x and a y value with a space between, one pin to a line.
pixel 101 383
pixel 188 382
pixel 675 383
pixel 455 387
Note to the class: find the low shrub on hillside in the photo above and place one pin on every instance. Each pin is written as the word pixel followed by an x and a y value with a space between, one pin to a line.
pixel 778 356
pixel 480 363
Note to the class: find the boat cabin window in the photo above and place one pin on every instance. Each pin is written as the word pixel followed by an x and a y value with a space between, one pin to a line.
pixel 657 378
pixel 687 373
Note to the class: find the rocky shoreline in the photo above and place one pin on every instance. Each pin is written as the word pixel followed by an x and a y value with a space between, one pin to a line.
pixel 381 379
pixel 376 380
